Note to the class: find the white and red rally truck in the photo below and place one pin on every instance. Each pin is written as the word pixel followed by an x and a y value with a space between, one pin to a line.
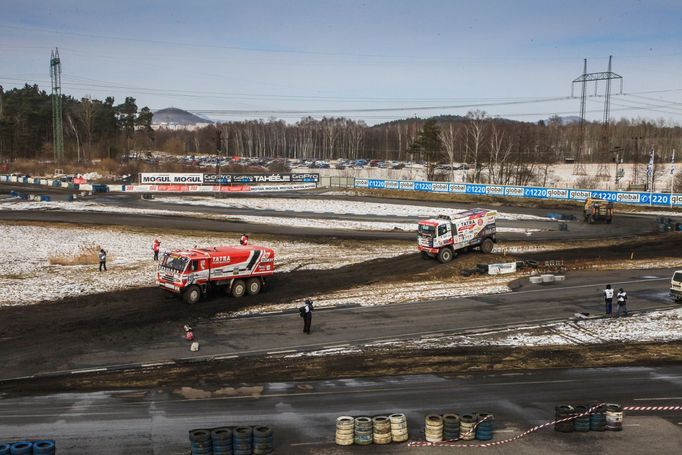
pixel 443 237
pixel 238 269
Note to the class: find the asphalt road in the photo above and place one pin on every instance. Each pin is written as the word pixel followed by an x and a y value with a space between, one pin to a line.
pixel 303 414
pixel 274 333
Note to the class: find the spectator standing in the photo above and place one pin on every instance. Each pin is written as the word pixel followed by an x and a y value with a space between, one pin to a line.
pixel 608 299
pixel 622 300
pixel 244 240
pixel 307 314
pixel 155 247
pixel 102 259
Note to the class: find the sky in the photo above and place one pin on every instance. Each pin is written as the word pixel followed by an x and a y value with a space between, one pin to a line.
pixel 371 60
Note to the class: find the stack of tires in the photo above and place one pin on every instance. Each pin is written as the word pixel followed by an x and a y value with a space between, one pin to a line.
pixel 398 427
pixel 44 447
pixel 364 434
pixel 564 411
pixel 581 423
pixel 484 429
pixel 263 440
pixel 344 430
pixel 21 448
pixel 433 428
pixel 467 427
pixel 382 430
pixel 221 438
pixel 450 427
pixel 242 441
pixel 598 418
pixel 201 443
pixel 614 417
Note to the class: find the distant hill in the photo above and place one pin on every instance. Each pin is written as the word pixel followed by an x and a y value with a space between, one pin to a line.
pixel 175 116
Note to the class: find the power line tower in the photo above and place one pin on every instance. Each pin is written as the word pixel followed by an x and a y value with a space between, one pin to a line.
pixel 57 125
pixel 608 76
pixel 579 167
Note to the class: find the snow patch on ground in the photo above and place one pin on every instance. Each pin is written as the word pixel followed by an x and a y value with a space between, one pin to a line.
pixel 26 275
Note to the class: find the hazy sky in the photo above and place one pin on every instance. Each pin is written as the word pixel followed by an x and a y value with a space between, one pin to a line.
pixel 257 59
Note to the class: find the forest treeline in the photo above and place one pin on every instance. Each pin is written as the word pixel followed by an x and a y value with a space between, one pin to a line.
pixel 95 129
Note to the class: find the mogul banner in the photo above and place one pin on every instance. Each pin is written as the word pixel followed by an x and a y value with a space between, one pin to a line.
pixel 171 178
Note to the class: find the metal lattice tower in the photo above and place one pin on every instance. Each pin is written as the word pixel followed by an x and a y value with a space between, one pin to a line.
pixel 603 171
pixel 57 124
pixel 579 167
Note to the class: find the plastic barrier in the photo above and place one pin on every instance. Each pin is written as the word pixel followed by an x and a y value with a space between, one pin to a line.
pixel 566 194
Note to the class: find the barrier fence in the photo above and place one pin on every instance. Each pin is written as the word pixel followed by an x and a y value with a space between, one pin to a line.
pixel 531 192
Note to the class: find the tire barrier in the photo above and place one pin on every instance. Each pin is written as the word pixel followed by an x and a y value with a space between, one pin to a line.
pixel 242 441
pixel 263 440
pixel 614 417
pixel 598 418
pixel 345 430
pixel 467 427
pixel 564 418
pixel 382 430
pixel 363 431
pixel 201 443
pixel 398 427
pixel 547 278
pixel 433 428
pixel 484 429
pixel 4 449
pixel 221 439
pixel 451 427
pixel 21 448
pixel 581 423
pixel 535 279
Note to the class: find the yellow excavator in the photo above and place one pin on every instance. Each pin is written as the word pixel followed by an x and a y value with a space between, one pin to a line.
pixel 598 210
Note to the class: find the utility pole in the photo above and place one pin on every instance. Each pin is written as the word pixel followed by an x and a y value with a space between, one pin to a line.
pixel 57 124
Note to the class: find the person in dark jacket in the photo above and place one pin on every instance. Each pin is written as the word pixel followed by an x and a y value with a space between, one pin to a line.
pixel 307 316
pixel 102 259
pixel 608 299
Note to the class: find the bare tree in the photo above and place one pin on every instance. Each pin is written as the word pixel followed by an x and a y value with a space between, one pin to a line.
pixel 475 132
pixel 448 137
pixel 499 169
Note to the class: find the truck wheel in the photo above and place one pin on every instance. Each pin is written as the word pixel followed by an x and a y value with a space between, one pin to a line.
pixel 445 255
pixel 192 294
pixel 253 286
pixel 487 246
pixel 238 288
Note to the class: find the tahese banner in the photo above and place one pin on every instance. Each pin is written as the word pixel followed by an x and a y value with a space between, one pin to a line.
pixel 171 178
pixel 260 178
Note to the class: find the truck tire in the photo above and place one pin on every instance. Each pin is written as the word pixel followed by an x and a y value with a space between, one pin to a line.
pixel 253 286
pixel 238 288
pixel 192 294
pixel 445 255
pixel 487 246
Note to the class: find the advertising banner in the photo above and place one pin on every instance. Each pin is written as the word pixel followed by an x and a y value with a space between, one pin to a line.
pixel 171 178
pixel 498 269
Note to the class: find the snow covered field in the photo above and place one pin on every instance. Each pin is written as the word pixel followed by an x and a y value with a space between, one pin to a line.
pixel 26 275
pixel 89 206
pixel 332 206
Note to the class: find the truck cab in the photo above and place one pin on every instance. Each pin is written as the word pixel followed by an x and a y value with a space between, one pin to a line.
pixel 598 210
pixel 676 286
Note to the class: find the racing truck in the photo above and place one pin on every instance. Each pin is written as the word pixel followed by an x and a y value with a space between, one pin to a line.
pixel 443 237
pixel 238 270
pixel 598 210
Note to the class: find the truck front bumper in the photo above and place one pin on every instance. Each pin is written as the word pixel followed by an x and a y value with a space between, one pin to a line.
pixel 676 293
pixel 428 249
pixel 170 287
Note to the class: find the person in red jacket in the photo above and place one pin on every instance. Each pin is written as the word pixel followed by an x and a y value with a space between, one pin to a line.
pixel 155 248
pixel 244 240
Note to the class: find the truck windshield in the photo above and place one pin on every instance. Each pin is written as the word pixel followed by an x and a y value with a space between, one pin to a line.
pixel 677 276
pixel 425 229
pixel 177 263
